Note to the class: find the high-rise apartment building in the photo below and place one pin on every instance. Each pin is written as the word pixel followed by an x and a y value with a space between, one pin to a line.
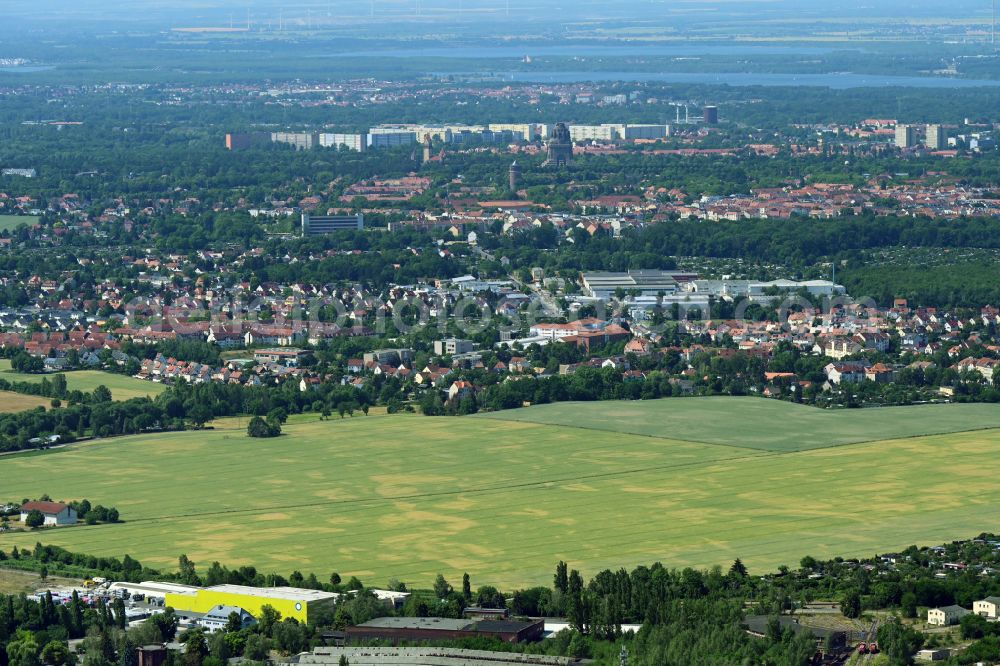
pixel 937 137
pixel 906 136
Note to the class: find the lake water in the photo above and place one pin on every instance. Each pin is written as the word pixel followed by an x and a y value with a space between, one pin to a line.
pixel 27 69
pixel 830 80
pixel 591 50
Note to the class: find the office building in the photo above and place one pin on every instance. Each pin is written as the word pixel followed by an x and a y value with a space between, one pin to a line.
pixel 711 115
pixel 315 225
pixel 937 137
pixel 452 346
pixel 356 142
pixel 906 136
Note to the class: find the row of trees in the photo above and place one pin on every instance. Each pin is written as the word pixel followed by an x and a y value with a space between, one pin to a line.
pixel 685 612
pixel 180 406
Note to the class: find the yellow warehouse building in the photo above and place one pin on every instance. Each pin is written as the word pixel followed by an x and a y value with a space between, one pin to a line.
pixel 289 601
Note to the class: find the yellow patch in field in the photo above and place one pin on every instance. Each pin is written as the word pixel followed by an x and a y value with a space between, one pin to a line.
pixel 273 516
pixel 580 487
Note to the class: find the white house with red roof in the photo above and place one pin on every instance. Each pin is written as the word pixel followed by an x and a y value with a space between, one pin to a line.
pixel 56 513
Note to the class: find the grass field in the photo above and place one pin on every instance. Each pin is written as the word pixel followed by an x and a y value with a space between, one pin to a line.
pixel 18 402
pixel 11 222
pixel 18 582
pixel 769 425
pixel 122 387
pixel 410 496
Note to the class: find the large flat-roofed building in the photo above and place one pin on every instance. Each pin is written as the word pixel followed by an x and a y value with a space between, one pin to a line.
pixel 633 132
pixel 299 140
pixel 371 655
pixel 151 589
pixel 356 142
pixel 646 282
pixel 762 291
pixel 452 346
pixel 387 137
pixel 245 140
pixel 396 629
pixel 291 602
pixel 521 131
pixel 316 225
pixel 607 132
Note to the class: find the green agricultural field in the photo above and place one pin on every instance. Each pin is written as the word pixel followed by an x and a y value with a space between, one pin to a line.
pixel 410 496
pixel 11 222
pixel 122 387
pixel 755 423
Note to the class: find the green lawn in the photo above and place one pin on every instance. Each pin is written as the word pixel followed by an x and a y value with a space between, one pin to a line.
pixel 11 222
pixel 758 423
pixel 122 387
pixel 410 496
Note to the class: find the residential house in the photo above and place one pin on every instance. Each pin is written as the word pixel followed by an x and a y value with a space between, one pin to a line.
pixel 845 373
pixel 55 513
pixel 460 390
pixel 988 607
pixel 880 373
pixel 217 619
pixel 946 615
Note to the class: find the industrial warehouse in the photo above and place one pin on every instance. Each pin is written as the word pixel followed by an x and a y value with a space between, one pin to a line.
pixel 291 602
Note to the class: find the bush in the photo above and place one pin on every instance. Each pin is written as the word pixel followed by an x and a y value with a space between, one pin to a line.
pixel 258 427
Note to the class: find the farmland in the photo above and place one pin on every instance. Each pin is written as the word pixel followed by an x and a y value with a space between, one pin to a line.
pixel 769 425
pixel 122 387
pixel 17 402
pixel 410 496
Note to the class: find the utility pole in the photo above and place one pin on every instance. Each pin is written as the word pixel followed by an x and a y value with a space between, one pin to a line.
pixel 623 656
